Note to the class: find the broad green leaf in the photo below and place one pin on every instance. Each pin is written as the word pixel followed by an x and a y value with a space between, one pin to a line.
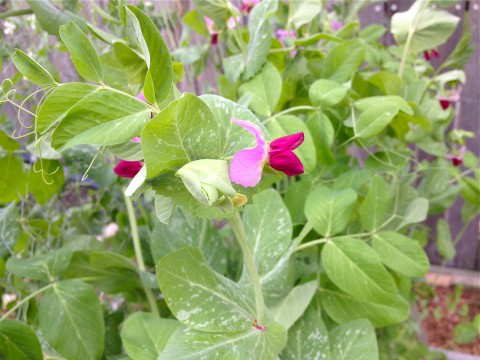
pixel 260 38
pixel 163 208
pixel 401 253
pixel 302 12
pixel 53 173
pixel 372 33
pixel 7 142
pixel 323 134
pixel 41 267
pixel 184 131
pixel 233 67
pixel 464 333
pixel 82 52
pixel 196 22
pixel 355 340
pixel 71 319
pixel 294 304
pixel 416 212
pixel 308 339
pixel 313 39
pixel 9 228
pixel 179 233
pixel 217 10
pixel 344 60
pixel 388 83
pixel 394 101
pixel 269 232
pixel 428 27
pixel 107 271
pixel 133 64
pixel 461 54
pixel 329 210
pixel 159 63
pixel 263 91
pixel 248 344
pixel 326 93
pixel 443 241
pixel 289 124
pixel 342 307
pixel 201 298
pixel 51 17
pixel 373 211
pixel 91 115
pixel 12 179
pixel 295 200
pixel 144 335
pixel 355 268
pixel 31 69
pixel 374 120
pixel 18 341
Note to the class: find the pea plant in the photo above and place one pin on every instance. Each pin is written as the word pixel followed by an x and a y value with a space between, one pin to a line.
pixel 278 218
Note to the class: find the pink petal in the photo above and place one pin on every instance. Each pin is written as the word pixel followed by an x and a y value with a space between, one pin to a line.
pixel 127 169
pixel 434 53
pixel 289 142
pixel 287 162
pixel 247 164
pixel 426 55
pixel 141 97
pixel 136 139
pixel 209 25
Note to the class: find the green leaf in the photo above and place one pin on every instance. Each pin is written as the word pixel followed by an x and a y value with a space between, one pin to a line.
pixel 374 120
pixel 342 307
pixel 401 253
pixel 392 100
pixel 416 212
pixel 53 173
pixel 287 125
pixel 82 52
pixel 443 241
pixel 269 232
pixel 159 63
pixel 263 91
pixel 12 179
pixel 372 33
pixel 355 340
pixel 9 228
pixel 71 320
pixel 328 210
pixel 355 268
pixel 326 93
pixel 388 83
pixel 163 208
pixel 144 335
pixel 295 200
pixel 374 208
pixel 344 59
pixel 233 67
pixel 217 10
pixel 294 304
pixel 302 12
pixel 459 57
pixel 201 298
pixel 7 142
pixel 464 333
pixel 179 233
pixel 91 115
pixel 32 70
pixel 41 267
pixel 260 38
pixel 248 344
pixel 428 27
pixel 132 63
pixel 307 339
pixel 196 22
pixel 18 341
pixel 323 134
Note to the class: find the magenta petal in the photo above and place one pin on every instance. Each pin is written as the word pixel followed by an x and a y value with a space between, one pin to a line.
pixel 252 129
pixel 445 104
pixel 289 142
pixel 127 169
pixel 141 97
pixel 136 139
pixel 287 162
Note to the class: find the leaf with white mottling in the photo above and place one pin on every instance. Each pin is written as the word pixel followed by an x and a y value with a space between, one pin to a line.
pixel 201 298
pixel 355 340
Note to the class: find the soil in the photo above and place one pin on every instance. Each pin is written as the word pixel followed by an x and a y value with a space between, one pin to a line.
pixel 441 312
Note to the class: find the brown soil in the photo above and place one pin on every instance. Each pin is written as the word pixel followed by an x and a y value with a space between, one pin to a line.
pixel 441 313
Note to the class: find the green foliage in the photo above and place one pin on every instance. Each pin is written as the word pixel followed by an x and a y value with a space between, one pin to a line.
pixel 18 341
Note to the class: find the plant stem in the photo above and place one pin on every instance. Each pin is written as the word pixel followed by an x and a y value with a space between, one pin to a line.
pixel 306 229
pixel 11 13
pixel 24 300
pixel 138 252
pixel 237 226
pixel 296 108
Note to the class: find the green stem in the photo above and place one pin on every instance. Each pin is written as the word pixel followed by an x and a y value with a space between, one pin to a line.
pixel 24 300
pixel 11 13
pixel 237 226
pixel 306 229
pixel 296 108
pixel 138 252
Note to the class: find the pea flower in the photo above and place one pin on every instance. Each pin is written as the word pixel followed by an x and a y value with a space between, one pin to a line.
pixel 335 25
pixel 446 101
pixel 247 5
pixel 428 54
pixel 213 32
pixel 283 35
pixel 457 159
pixel 127 169
pixel 247 165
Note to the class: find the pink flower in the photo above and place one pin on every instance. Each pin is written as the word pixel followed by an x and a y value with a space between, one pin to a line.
pixel 283 35
pixel 428 54
pixel 335 25
pixel 247 5
pixel 213 32
pixel 247 165
pixel 127 169
pixel 141 97
pixel 445 101
pixel 457 159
